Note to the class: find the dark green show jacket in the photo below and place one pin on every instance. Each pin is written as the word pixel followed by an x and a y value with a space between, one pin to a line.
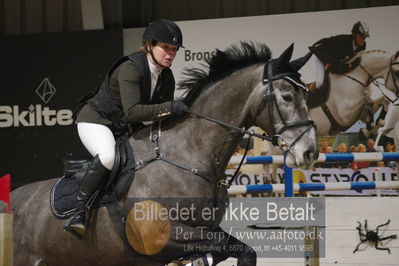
pixel 129 86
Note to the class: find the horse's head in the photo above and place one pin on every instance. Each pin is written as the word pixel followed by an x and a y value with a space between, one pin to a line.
pixel 253 90
pixel 278 106
pixel 392 79
pixel 376 64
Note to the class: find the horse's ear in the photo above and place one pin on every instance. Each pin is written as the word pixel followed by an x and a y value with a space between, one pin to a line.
pixel 300 62
pixel 285 57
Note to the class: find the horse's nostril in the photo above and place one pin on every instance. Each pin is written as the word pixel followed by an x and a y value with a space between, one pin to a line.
pixel 316 155
pixel 310 155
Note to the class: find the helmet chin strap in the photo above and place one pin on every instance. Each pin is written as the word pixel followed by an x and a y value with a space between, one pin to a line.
pixel 156 61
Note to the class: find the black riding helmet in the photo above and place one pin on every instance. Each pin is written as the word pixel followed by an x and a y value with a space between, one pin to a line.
pixel 361 28
pixel 164 30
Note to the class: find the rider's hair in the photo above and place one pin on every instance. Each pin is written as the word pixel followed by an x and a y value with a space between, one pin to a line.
pixel 145 44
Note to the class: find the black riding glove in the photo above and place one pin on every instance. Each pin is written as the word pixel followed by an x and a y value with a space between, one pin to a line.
pixel 179 107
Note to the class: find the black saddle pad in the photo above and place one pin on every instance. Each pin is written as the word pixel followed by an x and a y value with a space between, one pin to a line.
pixel 63 193
pixel 63 197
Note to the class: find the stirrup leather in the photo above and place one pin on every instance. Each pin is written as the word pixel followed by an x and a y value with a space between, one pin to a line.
pixel 77 229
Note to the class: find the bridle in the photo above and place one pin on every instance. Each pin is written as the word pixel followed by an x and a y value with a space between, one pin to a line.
pixel 374 81
pixel 270 100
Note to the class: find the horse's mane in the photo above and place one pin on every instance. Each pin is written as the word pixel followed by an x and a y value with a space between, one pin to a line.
pixel 222 64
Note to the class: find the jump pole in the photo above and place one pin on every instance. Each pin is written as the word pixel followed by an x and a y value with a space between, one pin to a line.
pixel 324 158
pixel 347 157
pixel 289 188
pixel 300 187
pixel 6 244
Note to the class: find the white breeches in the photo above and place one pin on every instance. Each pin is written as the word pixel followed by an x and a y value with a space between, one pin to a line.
pixel 98 140
pixel 319 72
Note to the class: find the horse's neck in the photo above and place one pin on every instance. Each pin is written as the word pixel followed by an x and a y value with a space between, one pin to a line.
pixel 375 62
pixel 224 101
pixel 347 95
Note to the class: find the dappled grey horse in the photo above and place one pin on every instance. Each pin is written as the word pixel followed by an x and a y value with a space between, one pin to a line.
pixel 243 88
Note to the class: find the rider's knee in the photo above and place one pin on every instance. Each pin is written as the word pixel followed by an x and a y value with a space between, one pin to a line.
pixel 107 159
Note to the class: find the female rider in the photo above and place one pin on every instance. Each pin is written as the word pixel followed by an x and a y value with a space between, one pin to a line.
pixel 138 87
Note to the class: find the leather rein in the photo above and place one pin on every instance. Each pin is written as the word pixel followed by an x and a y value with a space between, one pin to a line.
pixel 373 80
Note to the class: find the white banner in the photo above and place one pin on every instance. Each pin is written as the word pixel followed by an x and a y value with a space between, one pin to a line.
pixel 202 37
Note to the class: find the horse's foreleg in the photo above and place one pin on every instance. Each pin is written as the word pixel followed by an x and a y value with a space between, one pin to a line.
pixel 267 179
pixel 196 242
pixel 275 177
pixel 245 255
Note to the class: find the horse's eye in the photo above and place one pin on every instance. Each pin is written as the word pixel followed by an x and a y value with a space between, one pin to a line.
pixel 287 98
pixel 396 73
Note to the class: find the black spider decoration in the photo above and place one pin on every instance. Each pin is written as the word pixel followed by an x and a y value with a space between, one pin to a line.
pixel 373 237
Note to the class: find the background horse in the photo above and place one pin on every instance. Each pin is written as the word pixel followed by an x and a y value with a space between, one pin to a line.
pixel 350 98
pixel 234 92
pixel 391 123
pixel 349 94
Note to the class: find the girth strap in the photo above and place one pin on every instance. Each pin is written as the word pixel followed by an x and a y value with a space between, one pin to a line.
pixel 335 126
pixel 118 220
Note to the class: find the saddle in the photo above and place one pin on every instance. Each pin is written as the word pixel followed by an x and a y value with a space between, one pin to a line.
pixel 317 97
pixel 63 198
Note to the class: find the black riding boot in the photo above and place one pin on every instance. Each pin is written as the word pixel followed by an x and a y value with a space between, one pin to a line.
pixel 93 178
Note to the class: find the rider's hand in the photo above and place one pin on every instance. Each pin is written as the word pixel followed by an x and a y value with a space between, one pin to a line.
pixel 179 107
